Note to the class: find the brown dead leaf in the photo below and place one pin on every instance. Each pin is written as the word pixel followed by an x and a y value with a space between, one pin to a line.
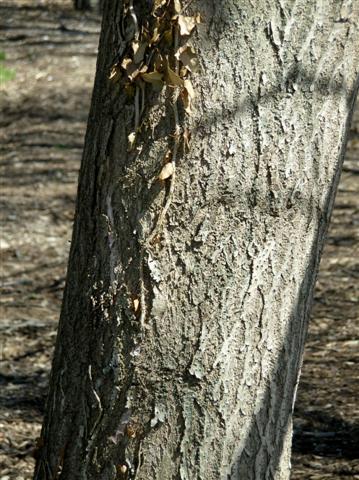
pixel 158 62
pixel 187 24
pixel 187 102
pixel 131 140
pixel 168 36
pixel 177 6
pixel 139 50
pixel 130 90
pixel 158 4
pixel 134 71
pixel 188 94
pixel 154 78
pixel 173 79
pixel 167 157
pixel 167 171
pixel 126 62
pixel 115 72
pixel 189 87
pixel 155 36
pixel 122 469
pixel 188 57
pixel 131 69
pixel 183 72
pixel 136 304
pixel 186 138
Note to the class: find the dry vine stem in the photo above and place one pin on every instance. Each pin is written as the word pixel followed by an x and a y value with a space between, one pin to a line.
pixel 158 55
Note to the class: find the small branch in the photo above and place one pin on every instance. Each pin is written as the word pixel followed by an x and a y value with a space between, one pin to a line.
pixel 142 289
pixel 137 108
pixel 95 426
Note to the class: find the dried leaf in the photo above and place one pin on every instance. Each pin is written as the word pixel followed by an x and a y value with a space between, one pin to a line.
pixel 167 157
pixel 136 304
pixel 168 36
pixel 158 62
pixel 187 24
pixel 188 94
pixel 155 36
pixel 152 77
pixel 188 86
pixel 130 90
pixel 115 72
pixel 183 72
pixel 122 469
pixel 187 102
pixel 173 79
pixel 139 50
pixel 135 46
pixel 188 57
pixel 134 71
pixel 158 4
pixel 155 78
pixel 131 68
pixel 126 62
pixel 167 171
pixel 186 138
pixel 177 6
pixel 131 140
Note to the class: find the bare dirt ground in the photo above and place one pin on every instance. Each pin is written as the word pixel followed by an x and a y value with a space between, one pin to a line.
pixel 43 112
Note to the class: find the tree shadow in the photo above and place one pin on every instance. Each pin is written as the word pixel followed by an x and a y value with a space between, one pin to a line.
pixel 324 435
pixel 24 392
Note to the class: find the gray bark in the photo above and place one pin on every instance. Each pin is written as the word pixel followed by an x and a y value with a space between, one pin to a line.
pixel 200 383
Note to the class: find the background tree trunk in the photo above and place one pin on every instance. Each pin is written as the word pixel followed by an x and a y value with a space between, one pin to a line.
pixel 82 4
pixel 89 4
pixel 198 382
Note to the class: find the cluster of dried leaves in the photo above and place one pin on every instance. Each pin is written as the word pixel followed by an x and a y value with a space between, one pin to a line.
pixel 159 53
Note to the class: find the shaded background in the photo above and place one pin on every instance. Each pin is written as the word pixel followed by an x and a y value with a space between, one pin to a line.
pixel 47 64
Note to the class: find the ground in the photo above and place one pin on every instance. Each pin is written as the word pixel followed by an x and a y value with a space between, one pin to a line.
pixel 47 64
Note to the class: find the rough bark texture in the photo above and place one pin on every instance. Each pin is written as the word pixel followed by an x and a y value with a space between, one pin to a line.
pixel 201 383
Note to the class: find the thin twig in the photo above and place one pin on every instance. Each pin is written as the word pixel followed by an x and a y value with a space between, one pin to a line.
pixel 142 288
pixel 99 404
pixel 137 108
pixel 186 6
pixel 95 426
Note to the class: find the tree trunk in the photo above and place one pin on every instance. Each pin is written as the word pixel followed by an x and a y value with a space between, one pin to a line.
pixel 89 5
pixel 82 4
pixel 187 299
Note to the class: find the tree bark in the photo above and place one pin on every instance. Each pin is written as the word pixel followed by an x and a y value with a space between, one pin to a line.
pixel 187 300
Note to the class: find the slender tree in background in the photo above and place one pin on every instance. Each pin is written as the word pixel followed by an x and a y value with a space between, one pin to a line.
pixel 89 5
pixel 212 156
pixel 82 4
